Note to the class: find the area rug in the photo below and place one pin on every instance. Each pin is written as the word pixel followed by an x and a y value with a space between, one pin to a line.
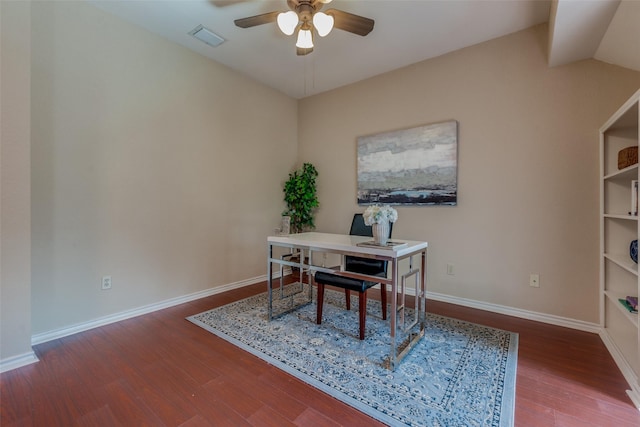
pixel 460 374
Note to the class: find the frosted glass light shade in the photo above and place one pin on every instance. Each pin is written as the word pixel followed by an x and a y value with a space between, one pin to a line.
pixel 305 40
pixel 287 22
pixel 323 23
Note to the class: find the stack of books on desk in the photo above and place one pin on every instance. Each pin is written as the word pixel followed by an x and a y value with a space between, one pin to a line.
pixel 391 244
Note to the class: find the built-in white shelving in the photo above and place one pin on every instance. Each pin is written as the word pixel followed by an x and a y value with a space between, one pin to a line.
pixel 618 227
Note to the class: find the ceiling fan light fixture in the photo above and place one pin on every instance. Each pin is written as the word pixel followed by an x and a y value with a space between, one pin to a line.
pixel 305 39
pixel 287 22
pixel 304 16
pixel 323 23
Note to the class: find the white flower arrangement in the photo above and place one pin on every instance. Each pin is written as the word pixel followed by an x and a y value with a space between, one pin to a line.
pixel 375 214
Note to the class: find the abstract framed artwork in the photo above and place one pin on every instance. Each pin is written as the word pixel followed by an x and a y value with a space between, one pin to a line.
pixel 413 167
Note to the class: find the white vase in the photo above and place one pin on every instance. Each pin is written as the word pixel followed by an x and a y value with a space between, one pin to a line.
pixel 380 232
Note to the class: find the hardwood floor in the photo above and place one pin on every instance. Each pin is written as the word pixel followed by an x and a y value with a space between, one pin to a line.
pixel 161 370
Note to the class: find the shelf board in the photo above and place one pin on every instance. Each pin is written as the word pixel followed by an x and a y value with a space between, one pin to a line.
pixel 623 261
pixel 614 297
pixel 622 216
pixel 630 172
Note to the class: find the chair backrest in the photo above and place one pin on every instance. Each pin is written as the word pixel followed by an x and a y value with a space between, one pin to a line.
pixel 359 228
pixel 369 266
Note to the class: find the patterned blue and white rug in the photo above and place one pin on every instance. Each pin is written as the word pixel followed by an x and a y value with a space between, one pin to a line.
pixel 460 374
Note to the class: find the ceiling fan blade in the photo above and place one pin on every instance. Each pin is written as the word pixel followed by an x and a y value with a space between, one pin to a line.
pixel 303 51
pixel 224 3
pixel 252 21
pixel 355 24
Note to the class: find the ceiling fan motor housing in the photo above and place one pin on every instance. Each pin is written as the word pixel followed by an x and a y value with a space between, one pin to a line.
pixel 305 8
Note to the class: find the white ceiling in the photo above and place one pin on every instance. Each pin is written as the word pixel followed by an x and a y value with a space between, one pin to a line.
pixel 405 32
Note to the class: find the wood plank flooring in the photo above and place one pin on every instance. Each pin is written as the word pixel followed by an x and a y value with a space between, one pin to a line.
pixel 161 370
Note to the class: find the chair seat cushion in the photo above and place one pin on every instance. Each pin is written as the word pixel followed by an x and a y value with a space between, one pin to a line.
pixel 343 282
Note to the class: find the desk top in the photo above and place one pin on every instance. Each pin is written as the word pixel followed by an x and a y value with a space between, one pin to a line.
pixel 345 243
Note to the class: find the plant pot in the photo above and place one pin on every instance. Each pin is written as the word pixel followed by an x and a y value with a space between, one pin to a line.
pixel 286 225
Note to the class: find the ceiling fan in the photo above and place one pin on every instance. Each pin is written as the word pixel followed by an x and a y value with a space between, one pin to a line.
pixel 305 16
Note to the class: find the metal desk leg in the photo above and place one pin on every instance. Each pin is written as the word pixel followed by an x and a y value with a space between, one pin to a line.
pixel 285 295
pixel 394 307
pixel 270 280
pixel 423 287
pixel 398 309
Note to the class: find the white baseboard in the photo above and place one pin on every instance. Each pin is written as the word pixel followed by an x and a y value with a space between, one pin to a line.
pixel 128 314
pixel 510 311
pixel 516 312
pixel 623 365
pixel 18 361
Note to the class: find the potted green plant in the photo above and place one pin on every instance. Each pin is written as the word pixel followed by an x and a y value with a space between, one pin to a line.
pixel 301 197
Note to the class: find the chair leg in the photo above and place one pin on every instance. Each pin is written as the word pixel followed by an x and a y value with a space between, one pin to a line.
pixel 362 300
pixel 320 302
pixel 383 298
pixel 347 294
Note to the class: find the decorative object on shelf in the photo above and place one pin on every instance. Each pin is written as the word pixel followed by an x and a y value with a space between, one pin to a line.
pixel 627 157
pixel 633 251
pixel 416 166
pixel 626 304
pixel 634 198
pixel 301 197
pixel 379 217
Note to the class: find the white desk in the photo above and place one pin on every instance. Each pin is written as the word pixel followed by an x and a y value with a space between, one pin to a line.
pixel 305 244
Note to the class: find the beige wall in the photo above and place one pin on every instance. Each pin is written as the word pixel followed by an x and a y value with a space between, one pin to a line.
pixel 527 167
pixel 150 163
pixel 164 170
pixel 15 203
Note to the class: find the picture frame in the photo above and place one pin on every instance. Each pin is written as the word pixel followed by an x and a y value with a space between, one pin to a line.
pixel 415 167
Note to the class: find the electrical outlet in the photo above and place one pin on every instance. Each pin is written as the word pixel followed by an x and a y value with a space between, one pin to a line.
pixel 450 269
pixel 534 280
pixel 106 283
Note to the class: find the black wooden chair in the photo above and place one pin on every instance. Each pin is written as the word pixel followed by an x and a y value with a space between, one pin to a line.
pixel 354 264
